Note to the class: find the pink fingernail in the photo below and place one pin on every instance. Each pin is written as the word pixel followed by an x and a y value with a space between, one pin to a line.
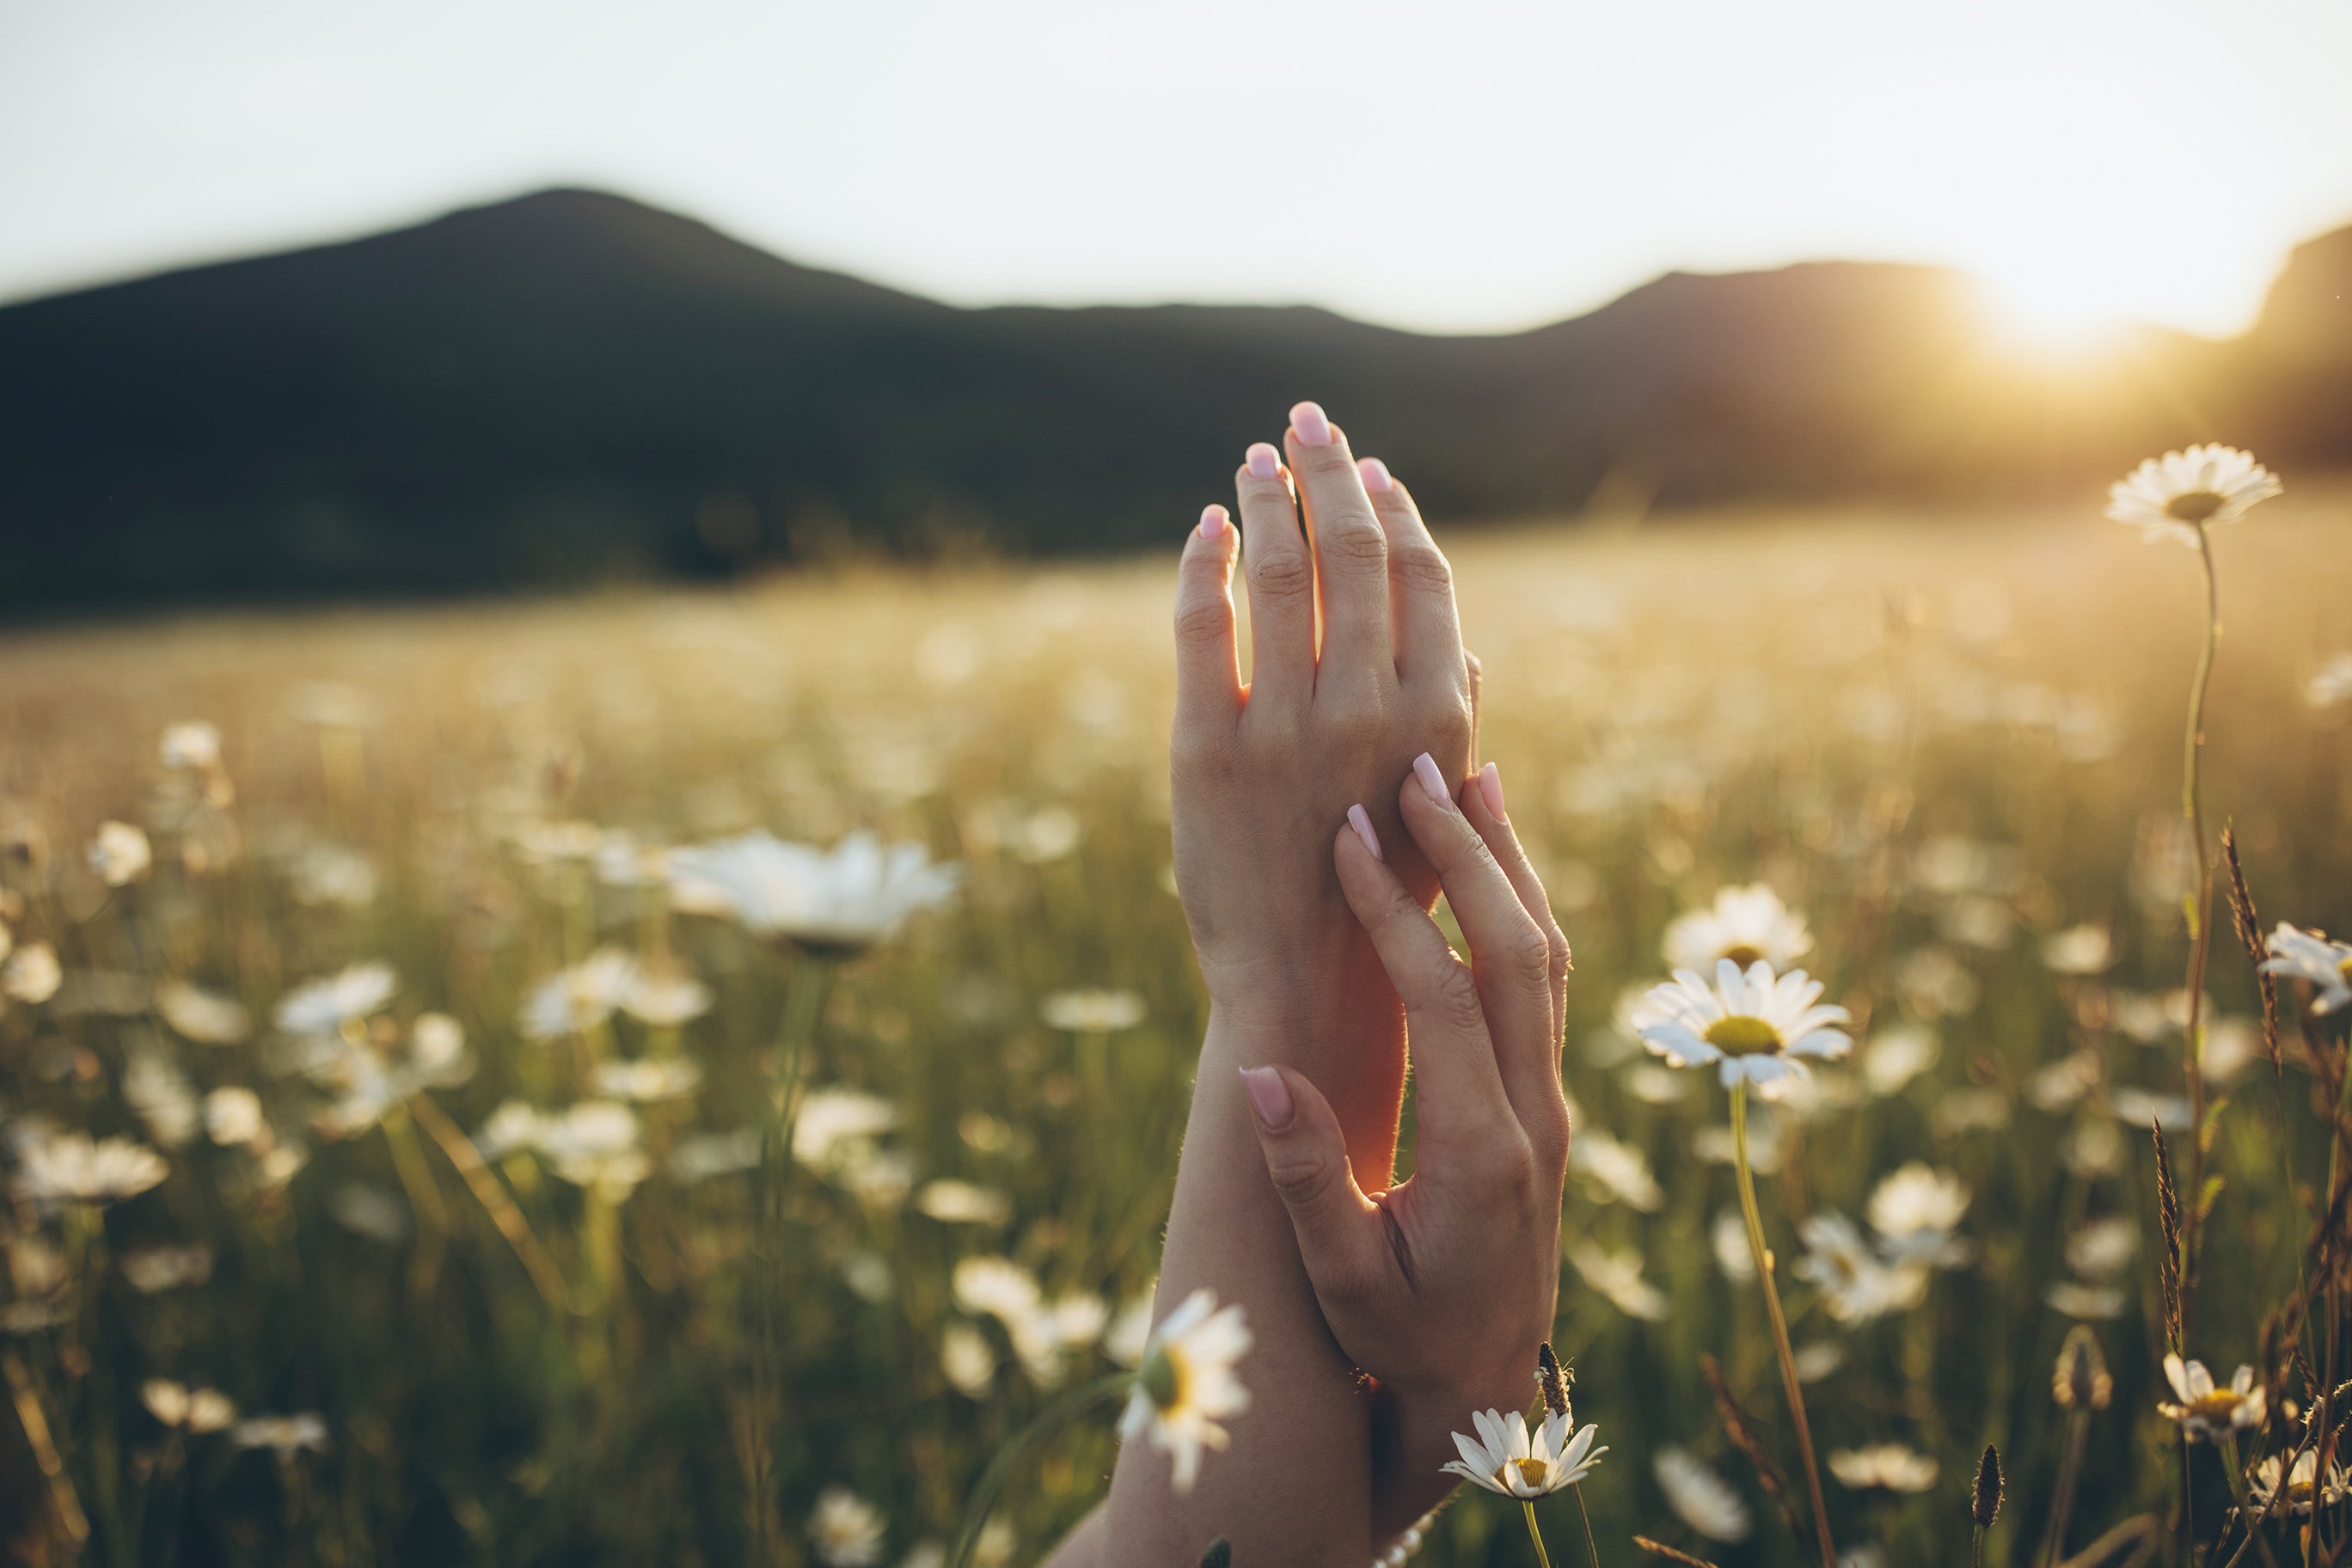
pixel 1375 475
pixel 1361 821
pixel 1490 784
pixel 1212 522
pixel 1306 423
pixel 1265 462
pixel 1424 768
pixel 1269 1096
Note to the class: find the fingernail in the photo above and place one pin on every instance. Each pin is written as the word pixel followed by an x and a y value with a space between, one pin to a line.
pixel 1269 1098
pixel 1212 522
pixel 1424 768
pixel 1375 475
pixel 1490 784
pixel 1265 462
pixel 1306 423
pixel 1361 821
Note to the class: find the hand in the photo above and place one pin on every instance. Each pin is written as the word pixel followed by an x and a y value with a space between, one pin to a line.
pixel 1356 666
pixel 1443 1288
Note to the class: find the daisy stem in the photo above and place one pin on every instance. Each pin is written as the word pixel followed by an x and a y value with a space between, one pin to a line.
pixel 1535 1535
pixel 1780 1324
pixel 1585 1514
pixel 1073 1402
pixel 2201 920
pixel 2246 1515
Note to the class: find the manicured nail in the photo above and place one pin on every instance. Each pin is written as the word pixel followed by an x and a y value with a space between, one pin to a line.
pixel 1306 423
pixel 1361 821
pixel 1375 475
pixel 1269 1096
pixel 1265 462
pixel 1490 784
pixel 1212 522
pixel 1424 768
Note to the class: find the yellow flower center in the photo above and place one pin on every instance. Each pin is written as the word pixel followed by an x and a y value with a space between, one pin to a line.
pixel 1742 955
pixel 2217 1407
pixel 2344 967
pixel 1740 1036
pixel 1531 1471
pixel 1165 1378
pixel 2193 506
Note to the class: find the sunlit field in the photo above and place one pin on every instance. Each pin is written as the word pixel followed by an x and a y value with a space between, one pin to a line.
pixel 500 1274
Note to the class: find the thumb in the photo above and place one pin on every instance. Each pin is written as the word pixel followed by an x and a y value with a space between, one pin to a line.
pixel 1307 1159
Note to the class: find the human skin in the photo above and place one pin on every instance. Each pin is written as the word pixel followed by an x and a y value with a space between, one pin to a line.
pixel 1357 668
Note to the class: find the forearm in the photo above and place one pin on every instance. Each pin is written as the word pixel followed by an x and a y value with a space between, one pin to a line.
pixel 1295 1485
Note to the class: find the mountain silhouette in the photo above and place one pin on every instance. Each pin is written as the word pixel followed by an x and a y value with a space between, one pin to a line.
pixel 573 386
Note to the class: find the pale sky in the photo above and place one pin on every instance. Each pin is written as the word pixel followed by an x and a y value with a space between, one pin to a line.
pixel 1469 165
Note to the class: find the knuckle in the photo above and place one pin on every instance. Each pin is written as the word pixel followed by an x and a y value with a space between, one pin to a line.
pixel 1421 568
pixel 1302 1176
pixel 1353 543
pixel 1281 576
pixel 1529 956
pixel 1453 997
pixel 1201 618
pixel 1555 950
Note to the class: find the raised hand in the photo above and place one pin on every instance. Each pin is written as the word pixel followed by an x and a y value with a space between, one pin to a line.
pixel 1444 1286
pixel 1356 667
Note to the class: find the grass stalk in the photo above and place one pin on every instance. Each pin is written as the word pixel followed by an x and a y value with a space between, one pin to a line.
pixel 1780 1346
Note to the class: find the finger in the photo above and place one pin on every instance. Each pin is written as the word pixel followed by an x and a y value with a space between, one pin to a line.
pixel 1281 576
pixel 1509 957
pixel 1477 673
pixel 1481 804
pixel 1426 626
pixel 1351 554
pixel 1341 1236
pixel 1208 672
pixel 1460 1090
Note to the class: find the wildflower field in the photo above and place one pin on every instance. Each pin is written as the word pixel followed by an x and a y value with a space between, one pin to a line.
pixel 399 1034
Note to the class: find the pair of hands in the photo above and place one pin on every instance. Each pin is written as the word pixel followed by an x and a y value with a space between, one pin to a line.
pixel 1318 811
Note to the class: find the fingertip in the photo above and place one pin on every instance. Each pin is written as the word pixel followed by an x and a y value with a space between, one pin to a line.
pixel 1215 524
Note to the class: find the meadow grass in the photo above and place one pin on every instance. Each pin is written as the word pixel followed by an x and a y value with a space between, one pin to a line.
pixel 1944 741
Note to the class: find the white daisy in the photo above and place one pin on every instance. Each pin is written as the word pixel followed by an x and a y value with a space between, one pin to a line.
pixel 2331 683
pixel 192 744
pixel 2309 956
pixel 203 1016
pixel 839 902
pixel 651 1079
pixel 1857 1284
pixel 1887 1467
pixel 845 1531
pixel 2078 950
pixel 1752 1026
pixel 1618 1276
pixel 2180 494
pixel 573 1001
pixel 71 1168
pixel 32 974
pixel 1504 1458
pixel 1614 1171
pixel 200 1410
pixel 284 1432
pixel 324 1007
pixel 1894 1057
pixel 120 854
pixel 1743 925
pixel 2103 1246
pixel 1915 1209
pixel 1186 1383
pixel 2301 1483
pixel 2206 1410
pixel 1704 1500
pixel 1092 1012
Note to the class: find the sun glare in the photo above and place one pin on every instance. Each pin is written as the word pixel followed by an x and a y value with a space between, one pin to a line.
pixel 2050 315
